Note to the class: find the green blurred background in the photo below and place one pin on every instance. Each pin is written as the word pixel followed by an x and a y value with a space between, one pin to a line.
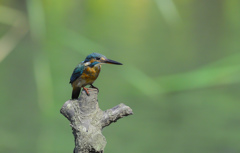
pixel 181 73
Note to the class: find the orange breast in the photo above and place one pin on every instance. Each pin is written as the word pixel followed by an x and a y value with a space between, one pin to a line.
pixel 90 74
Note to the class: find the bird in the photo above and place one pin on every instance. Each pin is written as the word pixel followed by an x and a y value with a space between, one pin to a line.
pixel 87 72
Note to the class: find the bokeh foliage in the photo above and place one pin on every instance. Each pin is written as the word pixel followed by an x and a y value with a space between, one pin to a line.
pixel 180 76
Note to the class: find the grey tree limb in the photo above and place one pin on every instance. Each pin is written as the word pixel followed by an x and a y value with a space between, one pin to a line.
pixel 87 121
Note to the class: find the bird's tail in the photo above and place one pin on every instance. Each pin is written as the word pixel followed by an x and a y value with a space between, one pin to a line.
pixel 76 92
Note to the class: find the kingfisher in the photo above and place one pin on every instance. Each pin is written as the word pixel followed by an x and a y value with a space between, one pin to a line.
pixel 87 72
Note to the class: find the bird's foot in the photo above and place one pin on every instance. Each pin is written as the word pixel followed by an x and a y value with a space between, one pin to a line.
pixel 86 90
pixel 92 86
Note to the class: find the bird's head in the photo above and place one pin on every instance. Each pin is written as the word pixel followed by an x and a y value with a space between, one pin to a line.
pixel 98 59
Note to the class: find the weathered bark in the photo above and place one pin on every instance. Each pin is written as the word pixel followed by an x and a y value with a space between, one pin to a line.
pixel 87 121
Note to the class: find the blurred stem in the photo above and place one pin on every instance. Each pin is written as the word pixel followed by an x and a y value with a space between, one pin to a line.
pixel 36 19
pixel 44 84
pixel 168 11
pixel 42 69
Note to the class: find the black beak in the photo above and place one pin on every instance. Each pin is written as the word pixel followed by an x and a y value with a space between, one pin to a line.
pixel 108 61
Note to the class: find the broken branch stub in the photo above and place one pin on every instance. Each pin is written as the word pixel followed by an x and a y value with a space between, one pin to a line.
pixel 87 121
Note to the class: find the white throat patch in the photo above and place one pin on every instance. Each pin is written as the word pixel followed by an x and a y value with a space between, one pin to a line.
pixel 87 63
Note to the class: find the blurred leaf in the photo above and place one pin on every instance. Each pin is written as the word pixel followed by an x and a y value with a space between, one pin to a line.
pixel 18 30
pixel 222 72
pixel 141 81
pixel 79 43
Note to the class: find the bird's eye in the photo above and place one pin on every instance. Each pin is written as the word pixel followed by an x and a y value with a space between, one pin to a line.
pixel 97 58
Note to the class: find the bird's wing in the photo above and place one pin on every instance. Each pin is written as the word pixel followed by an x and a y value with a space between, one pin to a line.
pixel 77 72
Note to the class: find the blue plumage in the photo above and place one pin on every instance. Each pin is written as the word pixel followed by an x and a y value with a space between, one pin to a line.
pixel 87 72
pixel 94 63
pixel 93 55
pixel 77 72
